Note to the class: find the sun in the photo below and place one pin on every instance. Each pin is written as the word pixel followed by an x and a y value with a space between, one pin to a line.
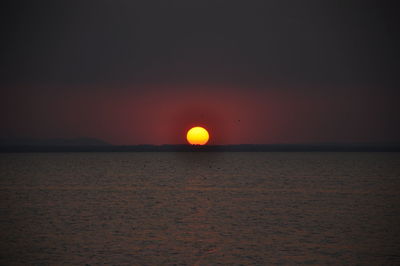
pixel 197 136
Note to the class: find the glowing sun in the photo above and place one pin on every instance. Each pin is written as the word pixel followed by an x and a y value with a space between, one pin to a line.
pixel 197 136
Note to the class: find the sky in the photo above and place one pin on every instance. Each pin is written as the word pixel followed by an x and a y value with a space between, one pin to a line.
pixel 144 72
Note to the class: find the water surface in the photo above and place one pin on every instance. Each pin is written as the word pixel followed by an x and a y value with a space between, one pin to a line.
pixel 199 208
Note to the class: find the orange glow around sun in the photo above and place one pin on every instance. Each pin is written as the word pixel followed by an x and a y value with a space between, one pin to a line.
pixel 197 136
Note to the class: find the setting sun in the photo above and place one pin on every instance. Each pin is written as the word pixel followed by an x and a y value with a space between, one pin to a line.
pixel 197 136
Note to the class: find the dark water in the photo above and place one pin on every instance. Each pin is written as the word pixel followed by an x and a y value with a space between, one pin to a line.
pixel 200 208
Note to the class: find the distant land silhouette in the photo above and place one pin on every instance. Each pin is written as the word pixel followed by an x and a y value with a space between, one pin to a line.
pixel 96 145
pixel 51 142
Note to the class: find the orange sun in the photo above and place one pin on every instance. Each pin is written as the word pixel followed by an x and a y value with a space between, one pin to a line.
pixel 197 136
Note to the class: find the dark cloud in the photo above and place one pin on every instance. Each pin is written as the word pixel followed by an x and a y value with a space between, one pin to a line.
pixel 261 43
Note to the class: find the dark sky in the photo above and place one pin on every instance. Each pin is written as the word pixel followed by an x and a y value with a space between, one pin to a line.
pixel 135 72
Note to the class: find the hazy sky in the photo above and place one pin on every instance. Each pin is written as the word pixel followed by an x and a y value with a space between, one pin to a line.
pixel 134 72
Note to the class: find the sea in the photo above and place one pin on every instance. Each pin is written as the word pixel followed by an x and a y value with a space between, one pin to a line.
pixel 200 208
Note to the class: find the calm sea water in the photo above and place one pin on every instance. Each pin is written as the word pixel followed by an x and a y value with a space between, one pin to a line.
pixel 200 208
